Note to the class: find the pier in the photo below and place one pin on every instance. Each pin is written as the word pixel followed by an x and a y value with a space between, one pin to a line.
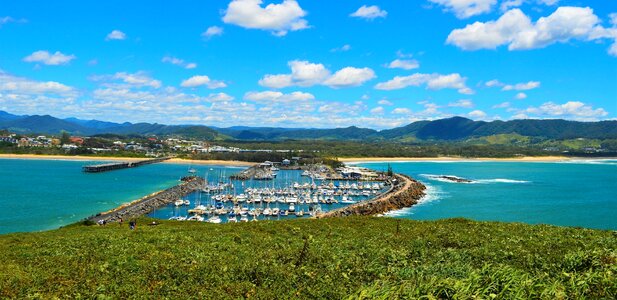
pixel 121 165
pixel 404 192
pixel 151 202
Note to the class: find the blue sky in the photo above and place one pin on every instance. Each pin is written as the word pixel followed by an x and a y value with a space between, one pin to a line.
pixel 376 64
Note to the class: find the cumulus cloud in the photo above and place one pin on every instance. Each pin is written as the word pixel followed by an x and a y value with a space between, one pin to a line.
pixel 521 96
pixel 384 102
pixel 401 111
pixel 128 80
pixel 179 62
pixel 502 105
pixel 44 57
pixel 378 110
pixel 219 97
pixel 212 31
pixel 505 5
pixel 115 35
pixel 522 86
pixel 466 103
pixel 202 80
pixel 369 12
pixel 405 64
pixel 20 85
pixel 275 96
pixel 466 8
pixel 477 114
pixel 276 18
pixel 516 30
pixel 572 110
pixel 349 76
pixel 432 81
pixel 305 74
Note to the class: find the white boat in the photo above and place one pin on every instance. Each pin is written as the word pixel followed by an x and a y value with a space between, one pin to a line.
pixel 187 202
pixel 267 211
pixel 306 173
pixel 300 213
pixel 244 218
pixel 232 220
pixel 196 218
pixel 292 207
pixel 179 202
pixel 215 220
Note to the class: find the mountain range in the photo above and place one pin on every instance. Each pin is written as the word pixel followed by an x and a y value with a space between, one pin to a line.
pixel 450 129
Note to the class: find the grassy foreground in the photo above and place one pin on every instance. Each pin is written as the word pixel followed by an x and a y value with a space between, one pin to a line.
pixel 356 257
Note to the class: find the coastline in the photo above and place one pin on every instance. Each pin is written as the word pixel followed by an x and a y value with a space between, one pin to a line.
pixel 458 159
pixel 128 159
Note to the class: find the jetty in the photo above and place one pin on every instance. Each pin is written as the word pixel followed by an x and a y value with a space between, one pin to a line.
pixel 121 165
pixel 403 192
pixel 151 202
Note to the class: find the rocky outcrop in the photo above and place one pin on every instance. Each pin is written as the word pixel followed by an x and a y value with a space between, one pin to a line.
pixel 151 202
pixel 404 192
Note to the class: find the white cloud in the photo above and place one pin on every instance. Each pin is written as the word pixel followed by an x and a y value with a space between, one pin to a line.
pixel 516 30
pixel 494 83
pixel 277 18
pixel 433 81
pixel 477 114
pixel 466 8
pixel 572 110
pixel 401 111
pixel 369 12
pixel 219 97
pixel 201 80
pixel 179 62
pixel 505 5
pixel 384 102
pixel 47 58
pixel 20 85
pixel 522 86
pixel 349 76
pixel 305 74
pixel 405 64
pixel 343 48
pixel 466 103
pixel 521 96
pixel 377 110
pixel 275 96
pixel 115 35
pixel 212 31
pixel 9 19
pixel 502 105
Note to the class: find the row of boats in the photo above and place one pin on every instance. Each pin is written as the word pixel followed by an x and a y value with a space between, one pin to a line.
pixel 223 203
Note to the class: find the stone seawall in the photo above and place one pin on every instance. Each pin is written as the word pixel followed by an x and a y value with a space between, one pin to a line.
pixel 151 202
pixel 404 193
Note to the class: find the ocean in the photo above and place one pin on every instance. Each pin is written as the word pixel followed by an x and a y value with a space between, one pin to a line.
pixel 570 193
pixel 46 194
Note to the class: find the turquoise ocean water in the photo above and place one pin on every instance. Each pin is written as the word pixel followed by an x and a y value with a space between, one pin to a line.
pixel 575 193
pixel 45 194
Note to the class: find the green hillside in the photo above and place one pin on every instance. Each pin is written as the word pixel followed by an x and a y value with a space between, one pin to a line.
pixel 359 257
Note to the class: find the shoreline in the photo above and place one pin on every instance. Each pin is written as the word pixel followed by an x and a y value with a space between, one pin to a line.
pixel 353 160
pixel 127 159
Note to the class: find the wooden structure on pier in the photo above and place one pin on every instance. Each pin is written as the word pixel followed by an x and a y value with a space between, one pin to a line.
pixel 121 165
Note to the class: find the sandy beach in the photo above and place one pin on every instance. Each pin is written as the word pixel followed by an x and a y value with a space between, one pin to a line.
pixel 103 158
pixel 454 159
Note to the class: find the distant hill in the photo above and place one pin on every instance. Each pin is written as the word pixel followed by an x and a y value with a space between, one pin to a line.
pixel 450 129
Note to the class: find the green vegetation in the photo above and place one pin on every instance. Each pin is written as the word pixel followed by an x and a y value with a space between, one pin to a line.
pixel 356 257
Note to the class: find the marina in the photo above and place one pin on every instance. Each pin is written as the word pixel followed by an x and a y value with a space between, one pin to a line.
pixel 225 199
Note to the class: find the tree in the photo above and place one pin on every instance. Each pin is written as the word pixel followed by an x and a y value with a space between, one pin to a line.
pixel 65 138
